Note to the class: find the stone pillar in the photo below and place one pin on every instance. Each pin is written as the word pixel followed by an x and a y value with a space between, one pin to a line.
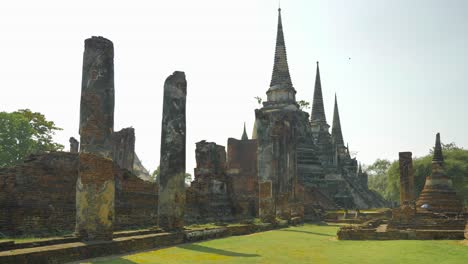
pixel 97 97
pixel 95 192
pixel 406 178
pixel 95 188
pixel 74 145
pixel 123 148
pixel 172 163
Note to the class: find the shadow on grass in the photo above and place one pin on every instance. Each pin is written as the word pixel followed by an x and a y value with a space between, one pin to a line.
pixel 217 251
pixel 113 261
pixel 306 232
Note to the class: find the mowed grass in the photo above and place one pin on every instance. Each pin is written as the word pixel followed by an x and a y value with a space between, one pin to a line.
pixel 304 244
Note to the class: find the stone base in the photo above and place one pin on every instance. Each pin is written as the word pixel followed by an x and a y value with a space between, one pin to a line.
pixel 95 195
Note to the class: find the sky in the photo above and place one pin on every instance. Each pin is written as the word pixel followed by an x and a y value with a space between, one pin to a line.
pixel 398 67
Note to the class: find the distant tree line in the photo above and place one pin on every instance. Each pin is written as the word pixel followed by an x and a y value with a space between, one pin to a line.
pixel 384 175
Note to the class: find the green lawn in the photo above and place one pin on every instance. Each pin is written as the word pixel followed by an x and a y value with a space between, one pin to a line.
pixel 304 244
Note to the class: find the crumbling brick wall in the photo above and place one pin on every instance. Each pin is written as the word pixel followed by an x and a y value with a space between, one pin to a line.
pixel 242 176
pixel 38 196
pixel 208 199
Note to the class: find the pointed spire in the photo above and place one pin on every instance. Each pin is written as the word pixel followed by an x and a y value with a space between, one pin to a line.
pixel 337 135
pixel 347 150
pixel 360 169
pixel 244 135
pixel 280 76
pixel 318 110
pixel 438 157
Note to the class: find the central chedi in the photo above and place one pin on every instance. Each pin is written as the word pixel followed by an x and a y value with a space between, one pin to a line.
pixel 280 128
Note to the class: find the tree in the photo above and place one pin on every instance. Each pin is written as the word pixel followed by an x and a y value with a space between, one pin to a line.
pixel 23 133
pixel 303 105
pixel 188 178
pixel 156 173
pixel 378 175
pixel 456 167
pixel 259 99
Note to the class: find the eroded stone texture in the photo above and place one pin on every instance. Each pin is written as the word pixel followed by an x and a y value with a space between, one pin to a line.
pixel 172 163
pixel 406 178
pixel 280 186
pixel 95 188
pixel 279 126
pixel 74 145
pixel 95 197
pixel 97 97
pixel 242 176
pixel 208 198
pixel 123 148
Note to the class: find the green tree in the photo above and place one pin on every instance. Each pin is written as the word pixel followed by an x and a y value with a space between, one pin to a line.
pixel 259 99
pixel 157 171
pixel 155 175
pixel 456 167
pixel 303 105
pixel 24 132
pixel 188 178
pixel 378 175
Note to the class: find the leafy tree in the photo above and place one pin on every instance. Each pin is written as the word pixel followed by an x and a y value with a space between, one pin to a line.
pixel 155 175
pixel 456 167
pixel 24 132
pixel 378 175
pixel 303 105
pixel 259 99
pixel 188 178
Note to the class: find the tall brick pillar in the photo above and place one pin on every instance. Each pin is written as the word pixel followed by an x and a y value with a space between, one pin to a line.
pixel 95 188
pixel 172 164
pixel 95 192
pixel 406 178
pixel 97 97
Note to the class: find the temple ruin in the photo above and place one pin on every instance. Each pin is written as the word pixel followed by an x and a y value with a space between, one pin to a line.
pixel 291 168
pixel 436 214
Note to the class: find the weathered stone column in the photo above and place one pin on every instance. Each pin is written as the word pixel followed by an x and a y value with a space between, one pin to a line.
pixel 74 145
pixel 95 192
pixel 95 188
pixel 97 97
pixel 406 178
pixel 172 163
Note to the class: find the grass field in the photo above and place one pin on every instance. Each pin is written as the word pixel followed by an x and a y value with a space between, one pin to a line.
pixel 303 244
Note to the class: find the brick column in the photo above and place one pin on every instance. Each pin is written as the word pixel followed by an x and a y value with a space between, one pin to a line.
pixel 172 163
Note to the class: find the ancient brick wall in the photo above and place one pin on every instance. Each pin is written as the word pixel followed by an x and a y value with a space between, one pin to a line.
pixel 136 202
pixel 38 196
pixel 123 148
pixel 208 198
pixel 242 176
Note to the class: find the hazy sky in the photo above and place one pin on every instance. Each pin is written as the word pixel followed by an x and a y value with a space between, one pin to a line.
pixel 406 79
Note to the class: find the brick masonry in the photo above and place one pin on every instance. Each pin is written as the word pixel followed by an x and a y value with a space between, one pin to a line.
pixel 38 196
